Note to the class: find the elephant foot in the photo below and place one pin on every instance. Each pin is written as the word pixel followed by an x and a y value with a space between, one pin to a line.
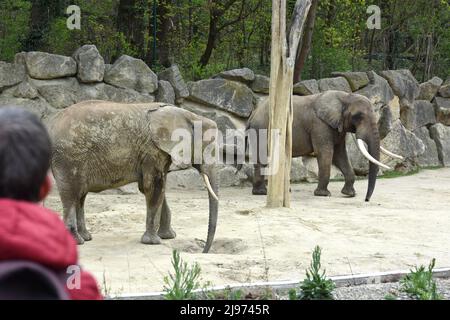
pixel 348 191
pixel 78 238
pixel 76 235
pixel 167 234
pixel 259 191
pixel 85 235
pixel 322 193
pixel 148 238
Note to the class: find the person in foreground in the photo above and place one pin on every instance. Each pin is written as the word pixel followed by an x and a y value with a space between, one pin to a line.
pixel 38 255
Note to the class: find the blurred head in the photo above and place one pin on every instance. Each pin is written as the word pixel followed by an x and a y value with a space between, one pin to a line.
pixel 25 152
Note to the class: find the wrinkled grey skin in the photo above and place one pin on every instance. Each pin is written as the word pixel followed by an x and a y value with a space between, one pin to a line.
pixel 99 145
pixel 320 124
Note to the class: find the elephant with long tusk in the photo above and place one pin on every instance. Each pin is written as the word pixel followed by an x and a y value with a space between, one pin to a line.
pixel 98 145
pixel 320 125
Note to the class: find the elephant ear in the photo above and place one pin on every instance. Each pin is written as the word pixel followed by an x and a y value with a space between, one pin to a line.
pixel 329 108
pixel 163 123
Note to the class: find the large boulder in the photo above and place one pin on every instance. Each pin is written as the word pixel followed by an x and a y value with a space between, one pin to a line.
pixel 442 103
pixel 63 93
pixel 26 91
pixel 299 172
pixel 261 84
pixel 357 80
pixel 403 142
pixel 230 177
pixel 430 157
pixel 91 65
pixel 311 169
pixel 173 75
pixel 222 94
pixel 306 87
pixel 421 114
pixel 242 75
pixel 39 107
pixel 403 83
pixel 385 121
pixel 131 73
pixel 165 92
pixel 190 179
pixel 184 179
pixel 441 135
pixel 303 169
pixel 442 110
pixel 378 90
pixel 444 91
pixel 11 74
pixel 359 163
pixel 339 83
pixel 46 66
pixel 429 89
pixel 386 104
pixel 59 93
pixel 226 122
pixel 108 67
pixel 102 91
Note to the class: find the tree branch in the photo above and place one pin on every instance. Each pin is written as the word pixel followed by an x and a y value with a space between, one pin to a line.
pixel 296 31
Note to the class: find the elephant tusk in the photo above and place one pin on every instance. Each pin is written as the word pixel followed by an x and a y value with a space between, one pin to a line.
pixel 208 186
pixel 366 154
pixel 391 154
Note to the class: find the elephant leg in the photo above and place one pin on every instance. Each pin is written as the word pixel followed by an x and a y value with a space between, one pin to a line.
pixel 259 183
pixel 165 230
pixel 81 222
pixel 340 160
pixel 70 208
pixel 324 160
pixel 154 190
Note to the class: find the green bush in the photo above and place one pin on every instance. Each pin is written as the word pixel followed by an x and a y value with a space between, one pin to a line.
pixel 419 283
pixel 316 286
pixel 181 284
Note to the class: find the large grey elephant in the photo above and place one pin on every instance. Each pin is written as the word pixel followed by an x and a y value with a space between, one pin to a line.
pixel 98 145
pixel 320 125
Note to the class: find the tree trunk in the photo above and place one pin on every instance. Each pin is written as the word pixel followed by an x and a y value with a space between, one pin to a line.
pixel 43 12
pixel 162 34
pixel 212 35
pixel 306 43
pixel 284 53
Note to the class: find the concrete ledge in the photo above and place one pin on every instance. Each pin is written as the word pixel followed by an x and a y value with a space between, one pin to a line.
pixel 282 287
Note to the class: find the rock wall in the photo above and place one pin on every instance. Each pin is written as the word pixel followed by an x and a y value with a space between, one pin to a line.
pixel 413 118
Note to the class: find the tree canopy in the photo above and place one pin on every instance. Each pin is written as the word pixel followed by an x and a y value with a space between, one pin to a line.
pixel 205 37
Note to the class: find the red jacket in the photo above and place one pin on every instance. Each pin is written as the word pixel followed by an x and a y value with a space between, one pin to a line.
pixel 33 233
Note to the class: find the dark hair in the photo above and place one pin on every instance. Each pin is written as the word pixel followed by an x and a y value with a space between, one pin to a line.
pixel 25 152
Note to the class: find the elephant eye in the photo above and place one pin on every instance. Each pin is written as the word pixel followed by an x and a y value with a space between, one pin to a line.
pixel 357 117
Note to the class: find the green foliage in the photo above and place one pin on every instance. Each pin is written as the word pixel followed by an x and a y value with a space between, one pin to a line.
pixel 14 16
pixel 230 294
pixel 59 36
pixel 293 294
pixel 181 284
pixel 316 286
pixel 419 283
pixel 414 36
pixel 397 174
pixel 390 297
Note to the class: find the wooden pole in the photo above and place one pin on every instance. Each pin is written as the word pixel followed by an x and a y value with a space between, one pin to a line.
pixel 283 56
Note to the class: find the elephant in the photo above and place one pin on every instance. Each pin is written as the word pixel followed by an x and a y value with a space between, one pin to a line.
pixel 98 145
pixel 319 127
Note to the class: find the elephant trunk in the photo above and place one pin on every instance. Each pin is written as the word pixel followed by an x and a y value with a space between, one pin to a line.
pixel 372 139
pixel 213 208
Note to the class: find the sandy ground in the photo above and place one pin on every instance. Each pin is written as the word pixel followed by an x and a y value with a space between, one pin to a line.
pixel 406 223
